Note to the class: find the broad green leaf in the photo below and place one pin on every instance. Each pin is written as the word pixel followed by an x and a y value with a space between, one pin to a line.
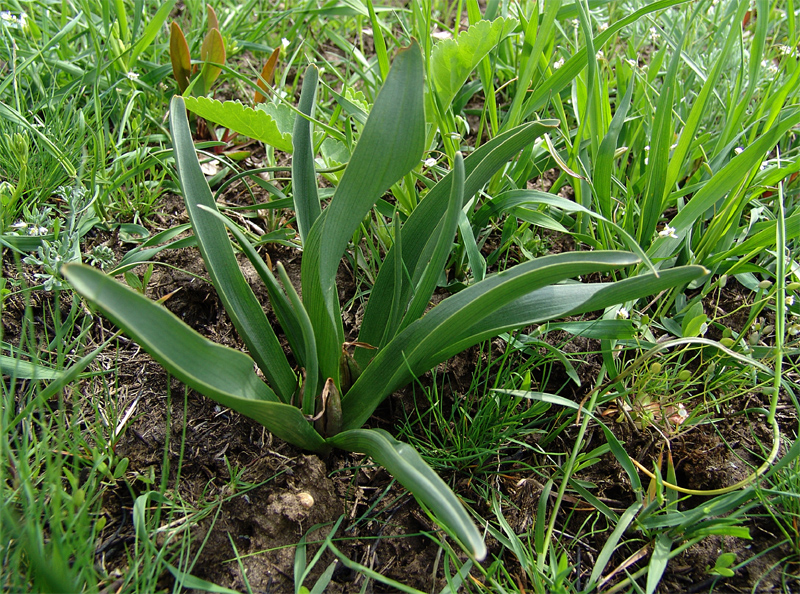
pixel 417 248
pixel 428 341
pixel 390 145
pixel 253 123
pixel 597 329
pixel 215 246
pixel 304 175
pixel 408 467
pixel 452 60
pixel 443 244
pixel 605 155
pixel 225 375
pixel 212 52
pixel 558 301
pixel 283 309
pixel 312 368
pixel 180 57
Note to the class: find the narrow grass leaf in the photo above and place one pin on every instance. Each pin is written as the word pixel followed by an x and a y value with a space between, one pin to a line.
pixel 20 368
pixel 658 562
pixel 187 580
pixel 611 544
pixel 660 141
pixel 731 176
pixel 605 155
pixel 572 67
pixel 151 30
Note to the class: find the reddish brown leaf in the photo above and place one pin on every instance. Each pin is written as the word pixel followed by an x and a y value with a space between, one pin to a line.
pixel 266 75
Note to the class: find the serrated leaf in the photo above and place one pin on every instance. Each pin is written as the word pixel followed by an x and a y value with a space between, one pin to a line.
pixel 452 60
pixel 253 123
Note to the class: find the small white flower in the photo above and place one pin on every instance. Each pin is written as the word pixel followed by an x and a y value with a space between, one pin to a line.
pixel 668 231
pixel 558 63
pixel 599 55
pixel 8 17
pixel 623 314
pixel 738 150
pixel 790 300
pixel 575 24
pixel 654 34
pixel 632 63
pixel 285 43
pixel 20 225
pixel 786 50
pixel 769 66
pixel 37 231
pixel 430 162
pixel 602 27
pixel 132 76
